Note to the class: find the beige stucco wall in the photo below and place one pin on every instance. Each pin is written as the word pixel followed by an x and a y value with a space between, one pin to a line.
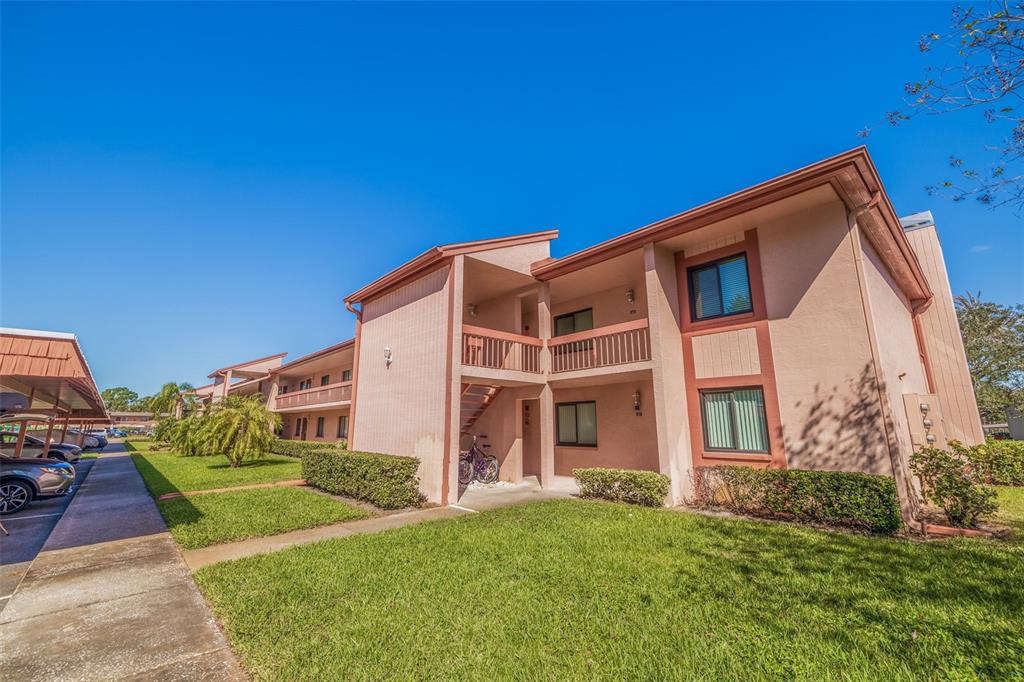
pixel 330 424
pixel 518 258
pixel 498 423
pixel 610 305
pixel 401 410
pixel 898 356
pixel 828 399
pixel 944 345
pixel 624 440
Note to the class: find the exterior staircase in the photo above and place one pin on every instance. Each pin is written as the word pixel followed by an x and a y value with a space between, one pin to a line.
pixel 475 400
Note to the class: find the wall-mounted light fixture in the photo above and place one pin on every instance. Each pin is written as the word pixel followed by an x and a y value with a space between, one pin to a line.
pixel 387 356
pixel 471 309
pixel 636 403
pixel 630 296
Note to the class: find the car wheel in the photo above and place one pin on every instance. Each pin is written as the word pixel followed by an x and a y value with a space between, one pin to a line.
pixel 14 495
pixel 54 454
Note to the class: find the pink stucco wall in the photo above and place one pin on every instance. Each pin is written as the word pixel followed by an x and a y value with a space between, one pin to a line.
pixel 610 305
pixel 624 440
pixel 828 399
pixel 330 424
pixel 400 409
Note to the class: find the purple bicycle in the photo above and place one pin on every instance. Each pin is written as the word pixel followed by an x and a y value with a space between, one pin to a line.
pixel 475 463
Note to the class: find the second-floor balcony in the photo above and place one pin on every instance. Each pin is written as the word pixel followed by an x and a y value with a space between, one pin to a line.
pixel 610 346
pixel 327 395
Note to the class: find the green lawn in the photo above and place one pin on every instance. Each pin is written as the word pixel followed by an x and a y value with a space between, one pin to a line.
pixel 1011 510
pixel 587 590
pixel 211 519
pixel 166 472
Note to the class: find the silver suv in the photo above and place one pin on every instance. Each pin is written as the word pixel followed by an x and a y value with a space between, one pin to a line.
pixel 34 447
pixel 23 479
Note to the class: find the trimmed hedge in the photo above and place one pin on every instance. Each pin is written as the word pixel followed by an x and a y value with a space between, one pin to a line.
pixel 387 481
pixel 836 498
pixel 996 462
pixel 645 488
pixel 298 448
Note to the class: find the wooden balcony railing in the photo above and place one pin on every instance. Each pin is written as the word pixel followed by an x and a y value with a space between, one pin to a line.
pixel 318 395
pixel 616 344
pixel 491 348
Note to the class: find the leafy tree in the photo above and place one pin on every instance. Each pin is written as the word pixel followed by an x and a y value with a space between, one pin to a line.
pixel 994 342
pixel 167 399
pixel 241 427
pixel 987 76
pixel 119 398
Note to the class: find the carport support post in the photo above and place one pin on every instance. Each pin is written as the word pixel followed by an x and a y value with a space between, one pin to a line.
pixel 20 444
pixel 81 434
pixel 64 430
pixel 49 432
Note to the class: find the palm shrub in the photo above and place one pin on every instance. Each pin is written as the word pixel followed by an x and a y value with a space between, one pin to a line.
pixel 240 427
pixel 164 428
pixel 947 480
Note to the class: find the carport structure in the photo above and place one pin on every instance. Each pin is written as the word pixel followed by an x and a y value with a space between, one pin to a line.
pixel 50 370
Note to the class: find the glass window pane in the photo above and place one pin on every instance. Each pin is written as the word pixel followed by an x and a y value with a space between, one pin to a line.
pixel 566 423
pixel 584 320
pixel 735 287
pixel 750 419
pixel 563 325
pixel 705 293
pixel 718 420
pixel 586 423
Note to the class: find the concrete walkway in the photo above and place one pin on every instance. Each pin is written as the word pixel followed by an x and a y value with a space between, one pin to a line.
pixel 474 499
pixel 109 597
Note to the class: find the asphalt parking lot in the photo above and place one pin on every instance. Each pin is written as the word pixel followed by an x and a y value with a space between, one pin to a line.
pixel 29 530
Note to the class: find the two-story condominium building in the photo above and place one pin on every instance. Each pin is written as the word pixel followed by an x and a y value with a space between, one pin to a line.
pixel 792 324
pixel 244 378
pixel 313 394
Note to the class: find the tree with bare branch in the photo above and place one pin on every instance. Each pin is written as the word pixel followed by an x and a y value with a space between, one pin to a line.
pixel 984 51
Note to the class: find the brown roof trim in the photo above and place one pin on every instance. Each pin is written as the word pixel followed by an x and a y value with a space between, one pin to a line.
pixel 215 372
pixel 853 176
pixel 436 254
pixel 314 355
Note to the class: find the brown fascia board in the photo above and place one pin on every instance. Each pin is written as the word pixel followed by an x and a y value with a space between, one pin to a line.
pixel 437 254
pixel 314 355
pixel 851 174
pixel 216 372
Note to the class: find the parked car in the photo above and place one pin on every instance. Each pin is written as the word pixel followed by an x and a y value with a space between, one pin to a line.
pixel 100 435
pixel 34 447
pixel 116 433
pixel 89 442
pixel 23 479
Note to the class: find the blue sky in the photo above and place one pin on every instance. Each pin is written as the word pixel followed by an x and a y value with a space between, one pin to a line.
pixel 189 185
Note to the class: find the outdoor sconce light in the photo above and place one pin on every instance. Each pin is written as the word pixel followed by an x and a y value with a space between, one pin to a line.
pixel 636 403
pixel 387 356
pixel 630 296
pixel 472 309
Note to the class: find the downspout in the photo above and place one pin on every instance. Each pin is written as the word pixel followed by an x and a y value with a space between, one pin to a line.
pixel 358 312
pixel 904 484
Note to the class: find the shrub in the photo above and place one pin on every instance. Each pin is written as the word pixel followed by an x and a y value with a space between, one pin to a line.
pixel 387 481
pixel 996 462
pixel 646 488
pixel 836 498
pixel 298 448
pixel 164 428
pixel 948 482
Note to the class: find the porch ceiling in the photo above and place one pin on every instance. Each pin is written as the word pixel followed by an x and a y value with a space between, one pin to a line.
pixel 638 371
pixel 618 271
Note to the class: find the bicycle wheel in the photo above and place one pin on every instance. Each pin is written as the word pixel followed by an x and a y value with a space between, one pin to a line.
pixel 488 471
pixel 465 470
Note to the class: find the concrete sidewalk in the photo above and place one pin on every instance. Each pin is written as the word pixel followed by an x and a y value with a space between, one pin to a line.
pixel 109 597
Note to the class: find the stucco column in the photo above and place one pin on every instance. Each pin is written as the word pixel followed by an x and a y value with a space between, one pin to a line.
pixel 456 299
pixel 675 458
pixel 547 396
pixel 515 454
pixel 227 384
pixel 272 396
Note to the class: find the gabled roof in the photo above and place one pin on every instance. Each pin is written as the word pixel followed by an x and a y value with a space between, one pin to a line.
pixel 244 365
pixel 314 355
pixel 437 254
pixel 851 174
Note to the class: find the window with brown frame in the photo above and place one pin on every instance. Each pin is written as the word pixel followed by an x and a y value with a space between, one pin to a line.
pixel 720 288
pixel 325 379
pixel 576 423
pixel 734 420
pixel 319 427
pixel 343 426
